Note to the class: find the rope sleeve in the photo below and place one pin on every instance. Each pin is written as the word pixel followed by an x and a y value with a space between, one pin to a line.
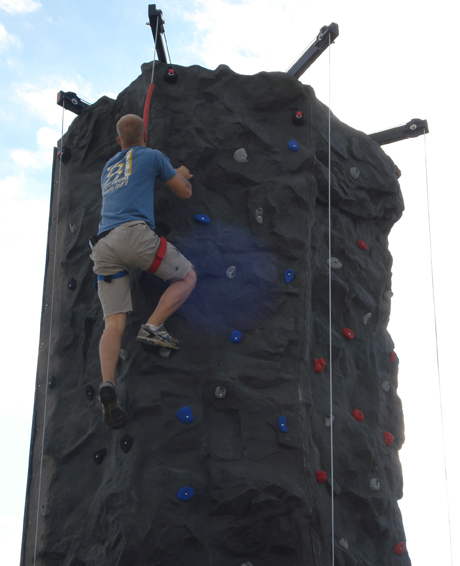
pixel 148 98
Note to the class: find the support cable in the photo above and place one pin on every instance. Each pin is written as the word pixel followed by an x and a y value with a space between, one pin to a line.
pixel 330 308
pixel 167 49
pixel 148 98
pixel 50 335
pixel 437 350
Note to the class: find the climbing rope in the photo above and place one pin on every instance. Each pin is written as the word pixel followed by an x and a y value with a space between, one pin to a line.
pixel 330 307
pixel 50 334
pixel 437 349
pixel 167 49
pixel 148 98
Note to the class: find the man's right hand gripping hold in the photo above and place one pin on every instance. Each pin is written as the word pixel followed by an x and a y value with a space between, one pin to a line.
pixel 126 240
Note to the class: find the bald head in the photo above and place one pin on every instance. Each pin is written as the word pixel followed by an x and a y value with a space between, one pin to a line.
pixel 130 130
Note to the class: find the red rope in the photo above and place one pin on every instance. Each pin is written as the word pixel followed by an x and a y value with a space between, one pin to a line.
pixel 148 98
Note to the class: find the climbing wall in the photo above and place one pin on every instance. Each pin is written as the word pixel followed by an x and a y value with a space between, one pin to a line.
pixel 226 457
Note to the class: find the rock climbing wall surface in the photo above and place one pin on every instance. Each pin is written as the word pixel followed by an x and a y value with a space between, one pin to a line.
pixel 226 457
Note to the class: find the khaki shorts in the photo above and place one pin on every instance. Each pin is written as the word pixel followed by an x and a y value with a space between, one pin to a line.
pixel 132 245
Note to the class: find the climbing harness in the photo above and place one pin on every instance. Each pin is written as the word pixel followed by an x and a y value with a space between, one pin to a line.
pixel 159 257
pixel 110 278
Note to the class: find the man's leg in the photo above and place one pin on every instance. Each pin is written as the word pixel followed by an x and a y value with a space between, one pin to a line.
pixel 110 344
pixel 174 296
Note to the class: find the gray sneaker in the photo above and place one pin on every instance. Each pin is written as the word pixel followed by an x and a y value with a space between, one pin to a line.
pixel 160 337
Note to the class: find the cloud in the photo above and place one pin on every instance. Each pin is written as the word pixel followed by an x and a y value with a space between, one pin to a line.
pixel 43 157
pixel 7 39
pixel 19 6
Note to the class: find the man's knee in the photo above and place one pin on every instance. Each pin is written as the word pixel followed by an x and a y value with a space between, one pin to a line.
pixel 116 323
pixel 190 279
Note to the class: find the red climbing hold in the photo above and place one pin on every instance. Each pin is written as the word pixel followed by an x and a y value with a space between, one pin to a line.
pixel 362 244
pixel 348 333
pixel 170 71
pixel 399 548
pixel 392 357
pixel 358 415
pixel 388 437
pixel 321 477
pixel 299 114
pixel 320 365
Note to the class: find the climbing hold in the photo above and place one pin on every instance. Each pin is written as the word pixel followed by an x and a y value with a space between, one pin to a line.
pixel 348 333
pixel 334 263
pixel 236 336
pixel 320 364
pixel 321 477
pixel 231 272
pixel 125 443
pixel 202 219
pixel 392 356
pixel 72 284
pixel 73 227
pixel 362 244
pixel 358 415
pixel 52 382
pixel 77 562
pixel 293 145
pixel 171 76
pixel 246 564
pixel 388 295
pixel 220 392
pixel 241 155
pixel 185 493
pixel 374 484
pixel 343 542
pixel 328 421
pixel 398 172
pixel 298 118
pixel 289 275
pixel 388 437
pixel 124 355
pixel 399 548
pixel 260 216
pixel 185 415
pixel 99 456
pixel 386 386
pixel 366 318
pixel 64 155
pixel 354 172
pixel 90 392
pixel 165 352
pixel 282 424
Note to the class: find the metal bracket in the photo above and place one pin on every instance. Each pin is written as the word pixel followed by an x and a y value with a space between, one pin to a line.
pixel 319 45
pixel 412 129
pixel 70 101
pixel 156 22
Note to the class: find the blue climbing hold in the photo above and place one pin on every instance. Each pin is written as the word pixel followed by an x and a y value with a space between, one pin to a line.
pixel 202 219
pixel 282 424
pixel 289 275
pixel 185 493
pixel 185 415
pixel 293 145
pixel 236 336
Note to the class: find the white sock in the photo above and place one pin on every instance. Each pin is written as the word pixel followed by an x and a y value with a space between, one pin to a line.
pixel 152 327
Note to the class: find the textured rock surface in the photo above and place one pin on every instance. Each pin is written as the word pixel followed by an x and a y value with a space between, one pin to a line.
pixel 256 496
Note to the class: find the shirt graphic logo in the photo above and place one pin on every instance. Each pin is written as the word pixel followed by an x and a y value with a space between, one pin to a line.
pixel 117 176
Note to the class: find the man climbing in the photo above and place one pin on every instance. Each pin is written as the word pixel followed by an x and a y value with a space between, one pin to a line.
pixel 125 241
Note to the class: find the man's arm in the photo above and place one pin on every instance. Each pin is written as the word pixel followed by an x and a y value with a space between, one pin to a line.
pixel 179 183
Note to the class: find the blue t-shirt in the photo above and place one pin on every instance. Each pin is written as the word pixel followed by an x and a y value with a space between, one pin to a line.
pixel 128 181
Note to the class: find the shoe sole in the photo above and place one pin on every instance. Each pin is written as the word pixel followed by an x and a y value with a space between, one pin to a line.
pixel 160 343
pixel 114 416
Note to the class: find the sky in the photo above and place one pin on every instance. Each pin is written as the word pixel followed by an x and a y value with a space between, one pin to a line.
pixel 392 62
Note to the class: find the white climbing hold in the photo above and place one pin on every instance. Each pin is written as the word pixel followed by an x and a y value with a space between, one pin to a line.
pixel 241 155
pixel 343 542
pixel 124 355
pixel 354 172
pixel 260 216
pixel 374 484
pixel 220 392
pixel 366 318
pixel 328 421
pixel 73 228
pixel 165 352
pixel 386 386
pixel 231 272
pixel 388 295
pixel 334 263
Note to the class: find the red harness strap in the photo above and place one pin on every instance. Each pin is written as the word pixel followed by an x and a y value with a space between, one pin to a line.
pixel 159 257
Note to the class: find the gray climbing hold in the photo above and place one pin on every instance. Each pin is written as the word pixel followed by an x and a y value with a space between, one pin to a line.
pixel 386 386
pixel 328 421
pixel 374 484
pixel 354 172
pixel 231 272
pixel 366 318
pixel 73 228
pixel 220 392
pixel 246 564
pixel 343 542
pixel 124 355
pixel 388 295
pixel 165 352
pixel 334 263
pixel 260 216
pixel 241 155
